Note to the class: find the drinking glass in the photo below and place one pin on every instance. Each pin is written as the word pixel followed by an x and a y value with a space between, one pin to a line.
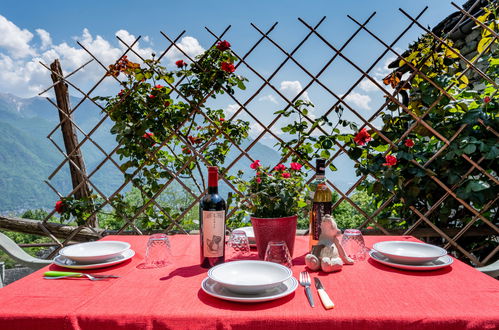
pixel 277 251
pixel 237 246
pixel 158 253
pixel 353 244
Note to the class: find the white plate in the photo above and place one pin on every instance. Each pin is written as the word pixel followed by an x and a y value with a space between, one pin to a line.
pixel 217 290
pixel 430 265
pixel 409 252
pixel 93 252
pixel 250 234
pixel 249 276
pixel 68 263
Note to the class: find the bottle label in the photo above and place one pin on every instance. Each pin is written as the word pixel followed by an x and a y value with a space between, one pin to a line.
pixel 213 233
pixel 319 210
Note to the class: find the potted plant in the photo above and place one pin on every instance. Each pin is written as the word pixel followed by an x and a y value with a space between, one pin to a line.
pixel 273 197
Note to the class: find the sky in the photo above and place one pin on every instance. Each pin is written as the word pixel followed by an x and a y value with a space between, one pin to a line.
pixel 34 31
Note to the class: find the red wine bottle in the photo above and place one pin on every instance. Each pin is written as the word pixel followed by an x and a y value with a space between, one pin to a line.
pixel 212 209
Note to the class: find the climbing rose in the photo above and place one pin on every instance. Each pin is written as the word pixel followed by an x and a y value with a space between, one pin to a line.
pixel 390 160
pixel 258 180
pixel 222 119
pixel 486 99
pixel 280 167
pixel 227 67
pixel 409 143
pixel 148 135
pixel 295 166
pixel 59 206
pixel 362 137
pixel 152 96
pixel 158 86
pixel 286 175
pixel 180 63
pixel 223 45
pixel 256 164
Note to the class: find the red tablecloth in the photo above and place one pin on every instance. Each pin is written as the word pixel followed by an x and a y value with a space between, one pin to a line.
pixel 368 295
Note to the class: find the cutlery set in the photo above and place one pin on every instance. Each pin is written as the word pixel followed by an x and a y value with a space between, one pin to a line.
pixel 306 282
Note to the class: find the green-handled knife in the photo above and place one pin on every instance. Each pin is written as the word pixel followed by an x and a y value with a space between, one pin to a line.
pixel 73 274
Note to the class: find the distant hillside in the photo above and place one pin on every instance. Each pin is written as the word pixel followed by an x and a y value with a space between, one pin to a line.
pixel 27 157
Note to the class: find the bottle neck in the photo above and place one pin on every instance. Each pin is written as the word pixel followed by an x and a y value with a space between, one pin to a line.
pixel 212 181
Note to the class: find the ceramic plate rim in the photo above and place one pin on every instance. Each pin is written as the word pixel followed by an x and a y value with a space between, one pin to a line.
pixel 293 285
pixel 125 246
pixel 446 258
pixel 126 254
pixel 443 252
pixel 289 273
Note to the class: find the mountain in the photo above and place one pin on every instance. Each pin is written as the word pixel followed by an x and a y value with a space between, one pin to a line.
pixel 27 157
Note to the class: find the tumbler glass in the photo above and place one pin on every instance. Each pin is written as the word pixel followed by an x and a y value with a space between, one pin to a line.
pixel 158 253
pixel 277 251
pixel 237 246
pixel 353 244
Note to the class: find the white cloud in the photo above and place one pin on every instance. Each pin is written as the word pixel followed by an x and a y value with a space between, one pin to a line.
pixel 358 100
pixel 270 98
pixel 20 53
pixel 45 38
pixel 189 45
pixel 232 108
pixel 379 73
pixel 292 88
pixel 255 130
pixel 15 40
pixel 368 86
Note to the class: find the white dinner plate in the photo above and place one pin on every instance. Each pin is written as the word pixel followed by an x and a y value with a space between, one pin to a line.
pixel 430 265
pixel 249 276
pixel 69 263
pixel 409 252
pixel 94 252
pixel 217 290
pixel 250 234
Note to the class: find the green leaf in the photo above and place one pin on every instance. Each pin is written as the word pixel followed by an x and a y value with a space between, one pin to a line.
pixel 469 149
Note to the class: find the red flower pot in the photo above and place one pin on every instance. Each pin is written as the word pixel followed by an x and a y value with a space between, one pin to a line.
pixel 274 229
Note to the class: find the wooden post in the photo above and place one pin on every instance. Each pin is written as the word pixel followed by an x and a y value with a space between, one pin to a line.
pixel 70 137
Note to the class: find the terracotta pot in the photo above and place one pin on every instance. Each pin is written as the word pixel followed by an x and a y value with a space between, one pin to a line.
pixel 274 229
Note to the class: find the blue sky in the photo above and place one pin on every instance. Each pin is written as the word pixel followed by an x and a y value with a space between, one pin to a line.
pixel 33 31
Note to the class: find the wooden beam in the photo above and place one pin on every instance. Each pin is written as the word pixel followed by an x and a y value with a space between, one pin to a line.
pixel 77 164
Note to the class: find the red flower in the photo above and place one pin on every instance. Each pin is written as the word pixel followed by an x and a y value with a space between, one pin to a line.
pixel 256 164
pixel 222 119
pixel 227 67
pixel 280 167
pixel 194 140
pixel 120 93
pixel 180 63
pixel 486 99
pixel 167 104
pixel 286 175
pixel 158 86
pixel 59 206
pixel 152 96
pixel 186 150
pixel 223 45
pixel 409 143
pixel 390 160
pixel 148 135
pixel 295 166
pixel 362 137
pixel 258 180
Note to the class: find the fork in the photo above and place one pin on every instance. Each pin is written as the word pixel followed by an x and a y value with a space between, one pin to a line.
pixel 90 277
pixel 305 282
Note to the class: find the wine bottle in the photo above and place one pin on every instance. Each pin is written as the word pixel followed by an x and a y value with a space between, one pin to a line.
pixel 321 202
pixel 212 209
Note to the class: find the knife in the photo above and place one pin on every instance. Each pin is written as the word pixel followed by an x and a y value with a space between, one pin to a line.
pixel 326 301
pixel 72 274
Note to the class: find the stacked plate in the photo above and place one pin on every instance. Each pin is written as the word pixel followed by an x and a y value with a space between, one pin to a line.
pixel 410 255
pixel 94 255
pixel 249 281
